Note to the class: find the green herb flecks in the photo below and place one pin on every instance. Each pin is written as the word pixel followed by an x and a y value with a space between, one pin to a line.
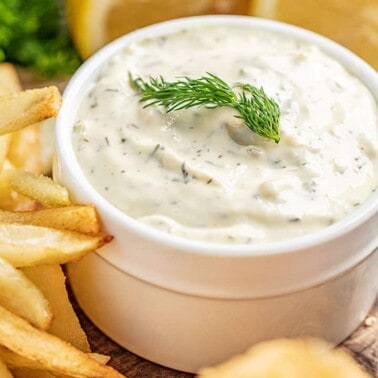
pixel 259 112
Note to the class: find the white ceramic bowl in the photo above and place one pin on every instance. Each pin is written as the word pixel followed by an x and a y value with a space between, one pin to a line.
pixel 186 304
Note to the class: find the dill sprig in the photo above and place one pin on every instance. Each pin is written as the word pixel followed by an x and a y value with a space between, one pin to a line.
pixel 259 112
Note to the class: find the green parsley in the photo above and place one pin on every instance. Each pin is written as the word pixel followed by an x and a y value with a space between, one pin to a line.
pixel 33 33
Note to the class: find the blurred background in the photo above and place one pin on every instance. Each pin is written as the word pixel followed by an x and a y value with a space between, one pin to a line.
pixel 55 36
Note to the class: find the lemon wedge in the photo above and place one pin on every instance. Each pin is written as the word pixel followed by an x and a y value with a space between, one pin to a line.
pixel 352 23
pixel 87 22
pixel 93 23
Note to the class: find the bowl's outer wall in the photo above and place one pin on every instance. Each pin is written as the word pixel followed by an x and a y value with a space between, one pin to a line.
pixel 189 332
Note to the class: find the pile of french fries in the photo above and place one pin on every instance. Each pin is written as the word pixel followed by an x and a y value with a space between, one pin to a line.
pixel 40 335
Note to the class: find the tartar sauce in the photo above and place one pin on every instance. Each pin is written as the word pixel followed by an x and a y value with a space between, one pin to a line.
pixel 200 173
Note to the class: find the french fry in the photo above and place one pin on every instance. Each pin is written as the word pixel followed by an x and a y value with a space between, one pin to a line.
pixel 4 372
pixel 9 82
pixel 24 149
pixel 13 360
pixel 22 109
pixel 51 280
pixel 27 373
pixel 28 237
pixel 52 353
pixel 4 147
pixel 27 245
pixel 46 134
pixel 19 295
pixel 40 188
pixel 23 146
pixel 101 358
pixel 79 218
pixel 9 199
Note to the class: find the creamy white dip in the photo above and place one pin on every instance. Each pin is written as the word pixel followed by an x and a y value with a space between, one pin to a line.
pixel 201 173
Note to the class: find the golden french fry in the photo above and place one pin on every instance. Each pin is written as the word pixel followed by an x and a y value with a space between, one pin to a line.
pixel 52 353
pixel 13 360
pixel 101 358
pixel 22 109
pixel 79 218
pixel 51 280
pixel 46 133
pixel 9 199
pixel 4 372
pixel 9 82
pixel 40 188
pixel 47 236
pixel 4 147
pixel 19 295
pixel 27 245
pixel 27 373
pixel 284 358
pixel 24 149
pixel 24 145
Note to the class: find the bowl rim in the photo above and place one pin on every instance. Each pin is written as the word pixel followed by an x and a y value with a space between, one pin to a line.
pixel 87 72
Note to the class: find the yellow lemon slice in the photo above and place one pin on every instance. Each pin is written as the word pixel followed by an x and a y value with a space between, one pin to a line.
pixel 93 23
pixel 353 23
